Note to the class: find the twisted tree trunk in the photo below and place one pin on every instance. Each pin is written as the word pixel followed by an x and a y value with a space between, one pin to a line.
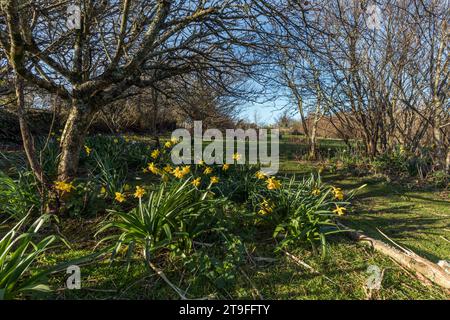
pixel 73 137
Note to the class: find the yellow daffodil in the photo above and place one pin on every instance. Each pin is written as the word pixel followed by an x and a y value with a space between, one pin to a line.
pixel 273 184
pixel 88 150
pixel 64 186
pixel 338 193
pixel 139 193
pixel 225 167
pixel 155 153
pixel 214 179
pixel 340 211
pixel 168 168
pixel 120 197
pixel 102 190
pixel 116 140
pixel 201 163
pixel 339 196
pixel 186 170
pixel 315 192
pixel 178 173
pixel 174 140
pixel 145 170
pixel 152 168
pixel 168 144
pixel 196 182
pixel 236 156
pixel 260 175
pixel 208 170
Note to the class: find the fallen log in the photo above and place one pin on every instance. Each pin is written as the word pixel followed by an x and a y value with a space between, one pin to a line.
pixel 406 258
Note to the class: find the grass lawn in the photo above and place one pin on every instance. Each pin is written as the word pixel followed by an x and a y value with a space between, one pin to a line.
pixel 416 219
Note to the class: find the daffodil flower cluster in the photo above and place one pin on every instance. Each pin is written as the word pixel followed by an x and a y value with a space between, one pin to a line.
pixel 272 183
pixel 122 196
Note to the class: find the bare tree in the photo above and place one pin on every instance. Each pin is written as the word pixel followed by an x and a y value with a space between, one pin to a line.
pixel 120 46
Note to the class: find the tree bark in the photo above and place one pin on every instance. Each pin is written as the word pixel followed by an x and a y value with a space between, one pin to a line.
pixel 27 138
pixel 155 111
pixel 312 142
pixel 72 139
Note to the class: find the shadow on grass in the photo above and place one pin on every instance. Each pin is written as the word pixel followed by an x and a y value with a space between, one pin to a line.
pixel 436 201
pixel 402 228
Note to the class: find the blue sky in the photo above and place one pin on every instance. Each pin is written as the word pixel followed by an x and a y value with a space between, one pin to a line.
pixel 267 112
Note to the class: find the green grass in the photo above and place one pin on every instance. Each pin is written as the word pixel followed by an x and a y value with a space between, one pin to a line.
pixel 342 275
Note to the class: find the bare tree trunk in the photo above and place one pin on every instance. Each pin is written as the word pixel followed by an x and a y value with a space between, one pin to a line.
pixel 312 142
pixel 442 149
pixel 27 138
pixel 155 111
pixel 72 139
pixel 313 135
pixel 316 119
pixel 141 120
pixel 447 162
